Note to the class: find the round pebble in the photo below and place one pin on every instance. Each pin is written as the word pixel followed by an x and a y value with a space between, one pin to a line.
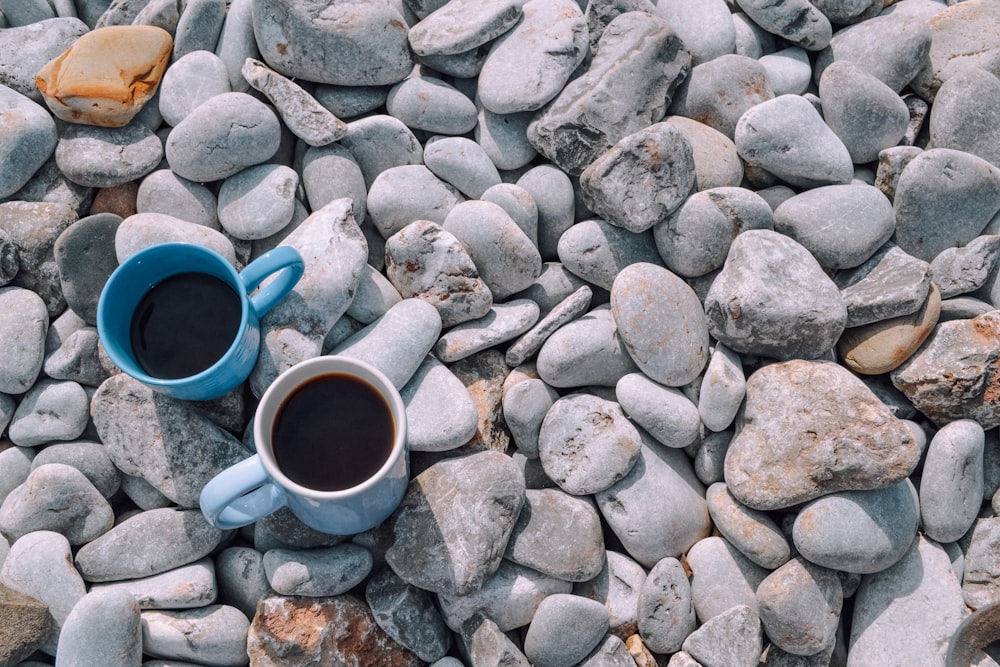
pixel 258 201
pixel 214 634
pixel 23 322
pixel 462 163
pixel 663 412
pixel 430 104
pixel 102 623
pixel 754 533
pixel 951 485
pixel 191 80
pixel 51 410
pixel 23 151
pixel 317 572
pixel 666 612
pixel 564 629
pixel 102 157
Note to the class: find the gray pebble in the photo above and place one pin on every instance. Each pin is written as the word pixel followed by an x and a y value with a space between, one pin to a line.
pixel 552 191
pixel 694 240
pixel 198 27
pixel 461 26
pixel 891 162
pixel 586 443
pixel 663 412
pixel 102 624
pixel 787 137
pixel 425 102
pixel 214 635
pixel 596 250
pixel 586 351
pixel 858 531
pixel 258 201
pixel 799 605
pixel 751 40
pixel 464 65
pixel 29 143
pixel 755 304
pixel 721 578
pixel 648 534
pixel 981 577
pixel 163 191
pixel 951 483
pixel 962 270
pixel 10 259
pixel 462 163
pixel 518 203
pixel 564 630
pixel 706 29
pixel 612 652
pixel 753 532
pixel 565 311
pixel 350 101
pixel 185 587
pixel 666 611
pixel 733 638
pixel 90 458
pixel 617 587
pixel 504 322
pixel 85 257
pixel 482 640
pixel 525 404
pixel 355 44
pixel 789 71
pixel 143 494
pixel 240 577
pixel 963 114
pixel 723 387
pixel 221 136
pixel 554 286
pixel 35 44
pixel 15 466
pixel 142 230
pixel 963 308
pixel 798 21
pixel 504 138
pixel 720 90
pixel 103 157
pixel 34 228
pixel 317 572
pixel 331 172
pixel 374 297
pixel 23 322
pixel 379 142
pixel 408 615
pixel 710 458
pixel 406 194
pixel 51 410
pixel 190 81
pixel 397 342
pixel 891 283
pixel 716 162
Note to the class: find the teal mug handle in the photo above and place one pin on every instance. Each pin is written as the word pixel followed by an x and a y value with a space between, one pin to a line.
pixel 240 495
pixel 287 265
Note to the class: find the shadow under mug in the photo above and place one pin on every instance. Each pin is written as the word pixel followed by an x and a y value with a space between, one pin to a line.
pixel 255 487
pixel 138 274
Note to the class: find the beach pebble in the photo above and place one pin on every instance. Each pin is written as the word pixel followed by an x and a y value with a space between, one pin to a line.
pixel 710 457
pixel 163 191
pixel 962 270
pixel 800 22
pixel 963 111
pixel 59 498
pixel 240 578
pixel 789 70
pixel 753 532
pixel 190 81
pixel 103 623
pixel 733 638
pixel 951 483
pixel 84 254
pixel 760 471
pixel 34 228
pixel 720 90
pixel 90 458
pixel 799 606
pixel 663 412
pixel 520 206
pixel 483 374
pixel 185 587
pixel 755 303
pixel 428 103
pixel 891 283
pixel 258 201
pixel 721 578
pixel 554 286
pixel 565 311
pixel 706 29
pixel 329 173
pixel 482 640
pixel 143 494
pixel 596 251
pixel 51 410
pixel 23 325
pixel 617 587
pixel 858 531
pixel 586 351
pixel 441 414
pixel 29 141
pixel 647 534
pixel 462 163
pixel 504 137
pixel 971 31
pixel 143 230
pixel 35 44
pixel 317 572
pixel 198 26
pixel 504 322
pixel 552 191
pixel 716 162
pixel 408 615
pixel 374 297
pixel 612 652
pixel 981 578
pixel 564 630
pixel 379 142
pixel 525 404
pixel 723 387
pixel 457 27
pixel 104 157
pixel 405 194
pixel 666 611
pixel 215 634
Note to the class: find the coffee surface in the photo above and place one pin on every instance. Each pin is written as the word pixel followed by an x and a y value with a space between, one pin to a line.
pixel 334 432
pixel 184 324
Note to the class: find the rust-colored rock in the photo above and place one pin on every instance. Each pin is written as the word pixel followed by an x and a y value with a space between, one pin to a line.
pixel 107 75
pixel 120 200
pixel 24 625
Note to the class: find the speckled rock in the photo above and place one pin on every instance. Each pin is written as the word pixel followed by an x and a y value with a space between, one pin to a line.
pixel 719 91
pixel 666 612
pixel 799 606
pixel 951 482
pixel 504 322
pixel 800 22
pixel 425 102
pixel 22 331
pixel 966 34
pixel 258 201
pixel 188 586
pixel 319 572
pixel 663 412
pixel 753 532
pixel 408 615
pixel 106 157
pixel 25 149
pixel 596 251
pixel 457 27
pixel 586 351
pixel 215 634
pixel 564 630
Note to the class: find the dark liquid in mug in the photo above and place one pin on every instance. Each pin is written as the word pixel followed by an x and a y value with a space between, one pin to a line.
pixel 332 433
pixel 184 324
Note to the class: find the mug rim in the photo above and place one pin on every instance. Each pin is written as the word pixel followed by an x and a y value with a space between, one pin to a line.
pixel 133 368
pixel 288 381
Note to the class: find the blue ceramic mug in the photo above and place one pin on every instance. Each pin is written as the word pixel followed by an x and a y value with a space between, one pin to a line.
pixel 126 297
pixel 257 486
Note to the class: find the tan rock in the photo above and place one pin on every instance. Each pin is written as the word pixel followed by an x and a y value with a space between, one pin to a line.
pixel 880 347
pixel 107 75
pixel 120 200
pixel 25 625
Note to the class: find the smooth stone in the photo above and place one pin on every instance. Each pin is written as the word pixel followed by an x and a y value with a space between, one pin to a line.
pixel 981 578
pixel 400 196
pixel 559 535
pixel 331 172
pixel 464 65
pixel 564 630
pixel 379 142
pixel 539 53
pixel 881 347
pixel 27 625
pixel 755 303
pixel 789 71
pixel 40 565
pixel 964 115
pixel 864 112
pixel 962 270
pixel 352 44
pixel 483 375
pixel 483 641
pixel 350 101
pixel 716 162
pixel 617 587
pixel 639 59
pixel 600 14
pixel 408 615
pixel 271 638
pixel 317 572
pixel 29 139
pixel 663 412
pixel 143 230
pixel 504 138
pixel 799 21
pixel 705 28
pixel 425 102
pixel 959 36
pixel 397 342
pixel 554 286
pixel 462 163
pixel 765 470
pixel 841 225
pixel 56 497
pixel 90 458
pixel 107 75
pixel 787 137
pixel 240 578
pixel 858 531
pixel 258 201
pixel 695 239
pixel 198 27
pixel 752 40
pixel 509 597
pixel 951 481
pixel 85 259
pixel 720 90
pixel 185 587
pixel 190 81
pixel 143 494
pixel 301 113
pixel 283 530
pixel 907 612
pixel 163 191
pixel 10 261
pixel 23 325
pixel 103 157
pixel 51 410
pixel 652 306
pixel 944 198
pixel 666 610
pixel 799 606
pixel 103 623
pixel 222 136
pixel 552 191
pixel 612 652
pixel 963 308
pixel 565 311
pixel 646 533
pixel 596 250
pixel 215 635
pixel 34 228
pixel 506 259
pixel 35 44
pixel 586 351
pixel 525 404
pixel 721 578
pixel 461 26
pixel 732 638
pixel 753 532
pixel 640 180
pixel 504 322
pixel 518 204
pixel 891 283
pixel 374 297
pixel 950 376
pixel 723 387
pixel 23 13
pixel 166 441
pixel 429 544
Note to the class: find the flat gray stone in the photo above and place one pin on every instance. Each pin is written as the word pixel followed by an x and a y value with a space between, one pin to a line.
pixel 723 387
pixel 504 322
pixel 951 481
pixel 586 351
pixel 663 412
pixel 240 577
pixel 23 324
pixel 34 227
pixel 85 256
pixel 408 615
pixel 215 634
pixel 733 637
pixel 891 283
pixel 258 201
pixel 596 251
pixel 163 191
pixel 349 102
pixel 564 630
pixel 518 203
pixel 720 90
pixel 799 606
pixel 379 142
pixel 964 113
pixel 981 576
pixel 102 623
pixel 198 26
pixel 319 572
pixel 962 270
pixel 552 191
pixel 525 404
pixel 425 102
pixel 103 157
pixel 190 81
pixel 52 410
pixel 554 286
pixel 373 299
pixel 666 611
pixel 504 137
pixel 789 70
pixel 461 26
pixel 617 588
pixel 612 652
pixel 798 21
pixel 565 311
pixel 331 172
pixel 29 144
pixel 721 578
pixel 751 531
pixel 405 194
pixel 185 587
pixel 56 497
pixel 482 640
pixel 462 163
pixel 143 230
pixel 706 29
pixel 90 458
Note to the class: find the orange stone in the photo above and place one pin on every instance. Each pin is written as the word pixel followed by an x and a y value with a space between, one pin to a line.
pixel 107 75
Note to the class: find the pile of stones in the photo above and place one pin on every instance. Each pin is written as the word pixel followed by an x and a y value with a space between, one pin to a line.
pixel 692 304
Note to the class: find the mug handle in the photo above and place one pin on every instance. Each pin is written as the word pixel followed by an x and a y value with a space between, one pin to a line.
pixel 240 495
pixel 283 260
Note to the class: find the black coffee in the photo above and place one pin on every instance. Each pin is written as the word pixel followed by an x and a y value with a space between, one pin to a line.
pixel 332 433
pixel 184 324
